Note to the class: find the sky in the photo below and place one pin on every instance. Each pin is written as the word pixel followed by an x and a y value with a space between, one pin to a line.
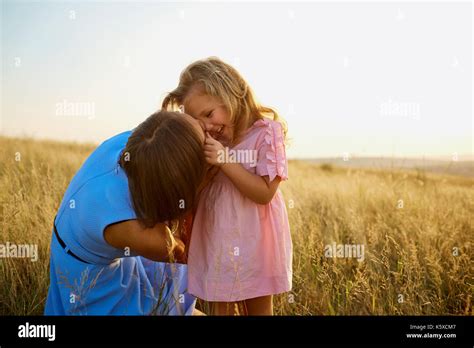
pixel 358 78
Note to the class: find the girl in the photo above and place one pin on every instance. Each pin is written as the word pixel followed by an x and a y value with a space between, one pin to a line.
pixel 240 252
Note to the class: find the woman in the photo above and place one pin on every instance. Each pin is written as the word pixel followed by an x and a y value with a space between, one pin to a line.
pixel 110 237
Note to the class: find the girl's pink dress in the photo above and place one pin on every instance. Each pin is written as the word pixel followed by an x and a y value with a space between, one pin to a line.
pixel 240 249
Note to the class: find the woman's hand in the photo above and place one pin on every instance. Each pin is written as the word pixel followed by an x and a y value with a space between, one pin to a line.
pixel 156 243
pixel 177 252
pixel 214 151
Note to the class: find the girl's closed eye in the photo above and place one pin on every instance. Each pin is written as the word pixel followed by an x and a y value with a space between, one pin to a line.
pixel 209 114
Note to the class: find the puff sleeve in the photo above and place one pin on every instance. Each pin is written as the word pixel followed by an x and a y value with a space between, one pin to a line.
pixel 271 154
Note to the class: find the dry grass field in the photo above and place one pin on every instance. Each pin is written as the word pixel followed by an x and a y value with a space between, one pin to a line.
pixel 416 229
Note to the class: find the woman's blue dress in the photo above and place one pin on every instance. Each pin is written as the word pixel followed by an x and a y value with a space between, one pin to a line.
pixel 114 281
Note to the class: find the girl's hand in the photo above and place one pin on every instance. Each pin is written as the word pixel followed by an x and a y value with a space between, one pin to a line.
pixel 213 150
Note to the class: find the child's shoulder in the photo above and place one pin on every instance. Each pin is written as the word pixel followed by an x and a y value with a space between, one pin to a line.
pixel 271 130
pixel 267 125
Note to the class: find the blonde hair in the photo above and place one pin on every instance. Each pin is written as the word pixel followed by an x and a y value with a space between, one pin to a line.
pixel 219 79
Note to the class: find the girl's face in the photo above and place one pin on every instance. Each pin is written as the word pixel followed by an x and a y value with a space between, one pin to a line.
pixel 211 112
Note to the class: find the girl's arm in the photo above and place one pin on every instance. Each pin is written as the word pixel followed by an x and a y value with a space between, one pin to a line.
pixel 255 187
pixel 155 243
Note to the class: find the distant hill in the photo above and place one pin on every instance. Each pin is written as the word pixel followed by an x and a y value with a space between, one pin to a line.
pixel 463 168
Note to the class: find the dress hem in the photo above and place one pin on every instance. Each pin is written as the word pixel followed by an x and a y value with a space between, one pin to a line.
pixel 266 287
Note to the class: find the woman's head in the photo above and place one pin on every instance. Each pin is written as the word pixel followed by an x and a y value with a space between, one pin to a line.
pixel 215 93
pixel 165 165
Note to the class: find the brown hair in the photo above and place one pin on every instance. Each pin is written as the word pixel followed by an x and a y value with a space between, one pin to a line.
pixel 165 165
pixel 221 80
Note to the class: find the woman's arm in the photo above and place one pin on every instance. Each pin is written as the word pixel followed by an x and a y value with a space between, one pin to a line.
pixel 255 187
pixel 155 243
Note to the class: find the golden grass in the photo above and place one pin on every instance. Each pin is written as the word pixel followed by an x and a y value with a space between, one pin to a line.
pixel 408 251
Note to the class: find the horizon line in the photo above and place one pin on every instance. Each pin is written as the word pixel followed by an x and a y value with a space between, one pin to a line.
pixel 461 157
